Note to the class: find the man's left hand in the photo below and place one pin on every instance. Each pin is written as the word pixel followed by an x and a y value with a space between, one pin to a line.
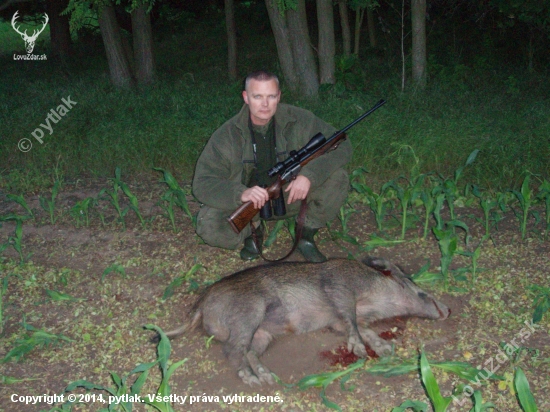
pixel 298 188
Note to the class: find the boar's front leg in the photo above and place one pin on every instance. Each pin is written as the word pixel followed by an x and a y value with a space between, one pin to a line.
pixel 343 302
pixel 377 344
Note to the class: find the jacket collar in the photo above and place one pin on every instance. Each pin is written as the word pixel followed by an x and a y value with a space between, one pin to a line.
pixel 283 116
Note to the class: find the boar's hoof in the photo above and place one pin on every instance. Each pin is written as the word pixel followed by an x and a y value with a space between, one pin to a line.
pixel 248 377
pixel 357 347
pixel 260 370
pixel 381 347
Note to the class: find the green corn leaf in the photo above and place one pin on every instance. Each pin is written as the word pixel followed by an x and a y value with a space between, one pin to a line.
pixel 88 386
pixel 59 296
pixel 168 178
pixel 416 406
pixel 19 199
pixel 541 307
pixel 440 403
pixel 140 381
pixel 526 399
pixel 427 277
pixel 463 370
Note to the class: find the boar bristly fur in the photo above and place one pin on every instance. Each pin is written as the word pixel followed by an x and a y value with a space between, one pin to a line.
pixel 247 309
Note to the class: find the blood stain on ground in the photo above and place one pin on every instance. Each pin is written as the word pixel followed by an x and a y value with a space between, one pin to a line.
pixel 342 356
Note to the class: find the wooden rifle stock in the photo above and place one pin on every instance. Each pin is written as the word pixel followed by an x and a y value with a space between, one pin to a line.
pixel 244 214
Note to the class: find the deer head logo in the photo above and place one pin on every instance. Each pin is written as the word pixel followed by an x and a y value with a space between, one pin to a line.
pixel 29 40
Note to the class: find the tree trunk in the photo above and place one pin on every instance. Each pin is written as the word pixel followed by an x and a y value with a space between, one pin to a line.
pixel 144 61
pixel 346 31
pixel 372 28
pixel 359 14
pixel 304 61
pixel 60 35
pixel 231 39
pixel 119 68
pixel 327 48
pixel 282 41
pixel 418 17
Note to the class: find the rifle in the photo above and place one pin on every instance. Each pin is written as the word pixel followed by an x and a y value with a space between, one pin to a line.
pixel 289 168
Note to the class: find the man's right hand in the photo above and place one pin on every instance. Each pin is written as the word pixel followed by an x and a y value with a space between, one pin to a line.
pixel 256 195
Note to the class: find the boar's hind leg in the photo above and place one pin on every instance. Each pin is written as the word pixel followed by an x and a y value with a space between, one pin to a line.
pixel 263 374
pixel 379 345
pixel 260 342
pixel 236 350
pixel 243 337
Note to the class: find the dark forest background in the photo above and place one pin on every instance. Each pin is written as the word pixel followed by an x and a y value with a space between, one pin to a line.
pixel 153 80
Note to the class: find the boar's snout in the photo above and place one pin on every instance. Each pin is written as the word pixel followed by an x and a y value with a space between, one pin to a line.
pixel 444 311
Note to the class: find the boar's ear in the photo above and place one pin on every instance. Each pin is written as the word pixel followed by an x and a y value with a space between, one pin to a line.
pixel 380 264
pixel 384 266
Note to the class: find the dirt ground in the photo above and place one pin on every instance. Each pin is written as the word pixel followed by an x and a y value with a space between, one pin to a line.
pixel 103 313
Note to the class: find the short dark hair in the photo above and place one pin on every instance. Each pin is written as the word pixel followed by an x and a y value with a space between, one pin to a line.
pixel 260 75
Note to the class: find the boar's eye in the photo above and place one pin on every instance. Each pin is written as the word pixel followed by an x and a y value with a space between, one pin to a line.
pixel 422 295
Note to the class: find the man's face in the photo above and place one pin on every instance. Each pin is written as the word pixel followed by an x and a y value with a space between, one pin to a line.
pixel 262 98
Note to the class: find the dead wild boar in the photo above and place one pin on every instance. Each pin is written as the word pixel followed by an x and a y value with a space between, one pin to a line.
pixel 247 309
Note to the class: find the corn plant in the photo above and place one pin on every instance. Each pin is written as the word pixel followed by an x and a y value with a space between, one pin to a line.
pixel 377 201
pixel 424 276
pixel 15 241
pixel 544 195
pixel 175 195
pixel 323 380
pixel 406 196
pixel 122 386
pixel 49 204
pixel 393 366
pixel 178 281
pixel 525 397
pixel 81 211
pixel 115 267
pixel 20 200
pixel 525 199
pixel 428 196
pixel 57 296
pixel 474 256
pixel 38 338
pixel 448 244
pixel 541 302
pixel 439 200
pixel 376 241
pixel 487 203
pixel 439 402
pixel 118 184
pixel 450 186
pixel 346 211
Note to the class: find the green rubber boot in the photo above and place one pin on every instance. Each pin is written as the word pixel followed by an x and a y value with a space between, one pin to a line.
pixel 249 250
pixel 307 247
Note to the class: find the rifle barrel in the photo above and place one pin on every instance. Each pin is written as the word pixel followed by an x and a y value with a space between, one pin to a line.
pixel 375 107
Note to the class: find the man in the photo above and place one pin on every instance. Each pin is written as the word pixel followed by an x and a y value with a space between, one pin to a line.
pixel 233 168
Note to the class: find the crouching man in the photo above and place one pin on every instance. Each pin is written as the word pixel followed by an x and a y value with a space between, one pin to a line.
pixel 232 169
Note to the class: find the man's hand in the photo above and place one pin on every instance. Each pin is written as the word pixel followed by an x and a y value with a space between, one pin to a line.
pixel 256 195
pixel 299 188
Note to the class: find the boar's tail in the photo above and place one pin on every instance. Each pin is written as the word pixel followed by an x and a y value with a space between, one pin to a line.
pixel 190 324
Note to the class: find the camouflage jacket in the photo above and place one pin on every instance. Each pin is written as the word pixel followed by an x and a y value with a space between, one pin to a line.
pixel 227 161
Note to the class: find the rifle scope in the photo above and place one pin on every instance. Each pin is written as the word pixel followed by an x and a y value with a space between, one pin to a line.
pixel 296 156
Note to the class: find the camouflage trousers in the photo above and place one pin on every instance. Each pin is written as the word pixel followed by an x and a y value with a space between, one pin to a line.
pixel 324 203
